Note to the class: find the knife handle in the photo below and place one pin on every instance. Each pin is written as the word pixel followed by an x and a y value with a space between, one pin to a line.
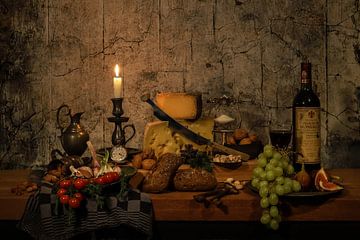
pixel 228 150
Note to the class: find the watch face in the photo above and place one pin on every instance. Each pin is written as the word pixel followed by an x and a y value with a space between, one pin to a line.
pixel 118 154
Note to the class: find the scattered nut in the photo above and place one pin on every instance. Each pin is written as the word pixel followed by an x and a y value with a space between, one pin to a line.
pixel 227 158
pixel 25 187
pixel 239 186
pixel 229 180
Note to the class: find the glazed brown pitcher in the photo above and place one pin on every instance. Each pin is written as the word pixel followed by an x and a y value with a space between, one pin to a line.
pixel 74 137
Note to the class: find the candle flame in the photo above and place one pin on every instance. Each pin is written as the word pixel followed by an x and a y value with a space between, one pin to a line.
pixel 117 70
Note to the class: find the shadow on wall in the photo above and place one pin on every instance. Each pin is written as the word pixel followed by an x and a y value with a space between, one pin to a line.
pixel 344 152
pixel 354 153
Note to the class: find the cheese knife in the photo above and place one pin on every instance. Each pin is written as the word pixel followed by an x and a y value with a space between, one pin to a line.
pixel 196 138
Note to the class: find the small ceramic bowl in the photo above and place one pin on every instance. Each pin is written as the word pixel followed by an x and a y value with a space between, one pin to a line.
pixel 227 161
pixel 229 165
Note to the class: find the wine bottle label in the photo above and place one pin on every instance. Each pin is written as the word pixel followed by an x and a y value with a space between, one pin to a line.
pixel 305 78
pixel 307 134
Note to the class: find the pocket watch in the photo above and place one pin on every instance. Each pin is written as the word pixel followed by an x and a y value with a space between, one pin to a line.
pixel 118 153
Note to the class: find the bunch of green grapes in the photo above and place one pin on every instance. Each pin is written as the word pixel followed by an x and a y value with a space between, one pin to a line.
pixel 272 178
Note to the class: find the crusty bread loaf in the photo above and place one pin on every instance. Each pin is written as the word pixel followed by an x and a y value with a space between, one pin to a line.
pixel 161 176
pixel 194 179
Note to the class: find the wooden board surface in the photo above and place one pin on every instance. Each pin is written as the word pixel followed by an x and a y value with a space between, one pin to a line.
pixel 180 206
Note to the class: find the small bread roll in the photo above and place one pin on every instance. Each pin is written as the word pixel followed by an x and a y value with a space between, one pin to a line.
pixel 148 164
pixel 230 140
pixel 240 133
pixel 137 160
pixel 245 141
pixel 148 153
pixel 253 137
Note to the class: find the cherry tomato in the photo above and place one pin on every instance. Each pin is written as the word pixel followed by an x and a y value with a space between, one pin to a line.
pixel 74 202
pixel 61 192
pixel 101 180
pixel 108 177
pixel 66 183
pixel 80 183
pixel 64 199
pixel 79 196
pixel 112 177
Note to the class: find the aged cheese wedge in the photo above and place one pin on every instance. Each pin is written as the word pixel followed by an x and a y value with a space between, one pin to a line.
pixel 180 105
pixel 162 139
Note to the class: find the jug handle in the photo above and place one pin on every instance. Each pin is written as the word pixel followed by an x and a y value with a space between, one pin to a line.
pixel 133 134
pixel 58 113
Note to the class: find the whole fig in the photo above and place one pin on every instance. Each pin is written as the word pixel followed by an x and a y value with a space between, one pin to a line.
pixel 303 178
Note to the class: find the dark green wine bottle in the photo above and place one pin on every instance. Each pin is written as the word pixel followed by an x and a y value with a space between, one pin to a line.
pixel 306 124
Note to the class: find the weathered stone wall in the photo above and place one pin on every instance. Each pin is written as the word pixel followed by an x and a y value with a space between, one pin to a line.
pixel 64 52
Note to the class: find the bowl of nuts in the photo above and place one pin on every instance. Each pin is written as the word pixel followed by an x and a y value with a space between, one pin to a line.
pixel 227 161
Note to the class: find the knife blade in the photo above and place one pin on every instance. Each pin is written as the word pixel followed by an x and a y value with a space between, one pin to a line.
pixel 196 138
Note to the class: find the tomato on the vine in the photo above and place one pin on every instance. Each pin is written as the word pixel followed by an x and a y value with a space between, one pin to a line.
pixel 61 192
pixel 112 177
pixel 79 196
pixel 74 202
pixel 64 199
pixel 80 183
pixel 66 183
pixel 101 180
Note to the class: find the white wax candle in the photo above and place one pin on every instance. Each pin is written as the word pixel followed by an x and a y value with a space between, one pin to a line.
pixel 117 83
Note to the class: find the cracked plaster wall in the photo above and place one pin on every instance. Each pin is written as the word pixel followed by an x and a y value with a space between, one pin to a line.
pixel 63 52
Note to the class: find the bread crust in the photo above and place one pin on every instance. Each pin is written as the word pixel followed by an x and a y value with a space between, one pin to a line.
pixel 194 179
pixel 160 177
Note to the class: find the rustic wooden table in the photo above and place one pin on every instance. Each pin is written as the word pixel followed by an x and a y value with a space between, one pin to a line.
pixel 180 206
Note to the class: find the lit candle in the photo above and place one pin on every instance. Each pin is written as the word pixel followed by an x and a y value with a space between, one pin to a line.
pixel 117 82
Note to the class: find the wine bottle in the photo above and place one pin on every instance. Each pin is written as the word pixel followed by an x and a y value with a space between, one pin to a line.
pixel 306 124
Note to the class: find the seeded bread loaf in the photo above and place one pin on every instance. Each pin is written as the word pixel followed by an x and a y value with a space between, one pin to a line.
pixel 194 179
pixel 161 176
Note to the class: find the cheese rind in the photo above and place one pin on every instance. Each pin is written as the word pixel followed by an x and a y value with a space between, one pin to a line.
pixel 162 139
pixel 180 105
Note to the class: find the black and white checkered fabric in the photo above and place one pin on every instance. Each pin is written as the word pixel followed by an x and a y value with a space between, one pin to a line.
pixel 41 220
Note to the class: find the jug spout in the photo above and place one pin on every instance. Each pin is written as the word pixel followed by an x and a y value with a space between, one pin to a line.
pixel 76 117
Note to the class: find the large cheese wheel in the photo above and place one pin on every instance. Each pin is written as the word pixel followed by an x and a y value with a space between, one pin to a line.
pixel 180 105
pixel 159 137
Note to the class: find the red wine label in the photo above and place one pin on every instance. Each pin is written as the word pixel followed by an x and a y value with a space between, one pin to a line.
pixel 308 141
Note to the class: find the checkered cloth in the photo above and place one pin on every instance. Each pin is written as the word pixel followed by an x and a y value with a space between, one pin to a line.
pixel 42 221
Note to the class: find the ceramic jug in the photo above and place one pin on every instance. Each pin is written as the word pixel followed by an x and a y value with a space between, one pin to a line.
pixel 74 137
